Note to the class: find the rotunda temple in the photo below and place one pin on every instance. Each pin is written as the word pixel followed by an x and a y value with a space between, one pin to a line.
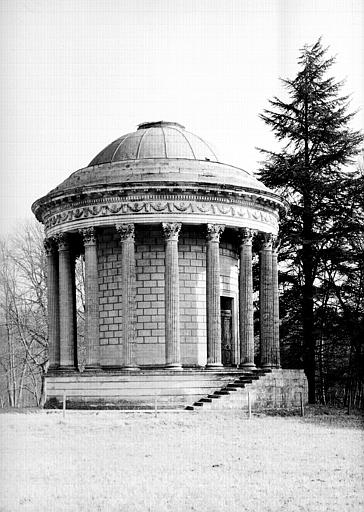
pixel 166 231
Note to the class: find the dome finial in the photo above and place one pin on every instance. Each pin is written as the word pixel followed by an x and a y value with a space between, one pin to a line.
pixel 154 124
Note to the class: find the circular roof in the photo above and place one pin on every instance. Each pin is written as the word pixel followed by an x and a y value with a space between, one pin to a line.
pixel 158 139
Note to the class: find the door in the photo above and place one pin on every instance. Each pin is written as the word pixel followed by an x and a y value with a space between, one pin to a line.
pixel 226 331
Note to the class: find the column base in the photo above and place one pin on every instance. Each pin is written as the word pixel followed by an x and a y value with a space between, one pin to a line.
pixel 270 366
pixel 247 366
pixel 53 367
pixel 173 366
pixel 214 366
pixel 66 368
pixel 131 368
pixel 93 368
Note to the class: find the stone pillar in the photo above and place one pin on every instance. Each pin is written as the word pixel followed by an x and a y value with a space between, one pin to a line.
pixel 276 359
pixel 213 296
pixel 66 303
pixel 53 303
pixel 266 302
pixel 246 323
pixel 127 241
pixel 91 300
pixel 172 321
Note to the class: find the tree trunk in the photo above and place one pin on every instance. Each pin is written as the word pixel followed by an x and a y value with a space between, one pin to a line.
pixel 309 342
pixel 308 324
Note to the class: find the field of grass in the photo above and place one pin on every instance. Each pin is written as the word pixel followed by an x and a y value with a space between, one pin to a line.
pixel 187 461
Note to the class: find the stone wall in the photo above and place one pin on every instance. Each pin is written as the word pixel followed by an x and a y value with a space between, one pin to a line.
pixel 149 317
pixel 279 389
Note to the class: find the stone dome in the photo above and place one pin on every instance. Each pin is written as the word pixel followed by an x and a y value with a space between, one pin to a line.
pixel 158 139
pixel 159 172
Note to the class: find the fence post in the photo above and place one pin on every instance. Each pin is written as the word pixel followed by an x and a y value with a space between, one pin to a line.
pixel 301 404
pixel 249 406
pixel 64 405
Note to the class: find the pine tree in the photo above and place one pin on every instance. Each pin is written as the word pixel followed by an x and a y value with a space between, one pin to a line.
pixel 316 143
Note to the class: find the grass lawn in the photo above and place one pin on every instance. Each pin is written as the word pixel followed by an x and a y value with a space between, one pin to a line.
pixel 187 461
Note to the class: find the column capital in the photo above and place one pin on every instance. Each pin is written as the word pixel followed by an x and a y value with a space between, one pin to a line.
pixel 276 243
pixel 126 232
pixel 246 236
pixel 266 241
pixel 50 246
pixel 214 232
pixel 62 240
pixel 171 230
pixel 88 235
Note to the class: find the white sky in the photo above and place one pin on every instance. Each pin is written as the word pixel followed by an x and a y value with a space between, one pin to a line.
pixel 77 74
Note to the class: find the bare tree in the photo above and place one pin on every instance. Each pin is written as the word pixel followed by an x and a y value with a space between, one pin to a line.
pixel 23 316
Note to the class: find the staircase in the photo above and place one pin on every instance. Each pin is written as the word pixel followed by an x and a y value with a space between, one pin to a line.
pixel 239 387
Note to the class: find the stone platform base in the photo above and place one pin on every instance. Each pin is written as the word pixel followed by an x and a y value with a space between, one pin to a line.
pixel 170 389
pixel 274 390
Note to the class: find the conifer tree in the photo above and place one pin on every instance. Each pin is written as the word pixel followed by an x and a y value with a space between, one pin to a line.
pixel 316 143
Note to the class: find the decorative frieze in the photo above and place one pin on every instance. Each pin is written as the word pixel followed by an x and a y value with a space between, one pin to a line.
pixel 255 213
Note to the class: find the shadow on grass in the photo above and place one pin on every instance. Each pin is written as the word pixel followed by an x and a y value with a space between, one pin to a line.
pixel 321 415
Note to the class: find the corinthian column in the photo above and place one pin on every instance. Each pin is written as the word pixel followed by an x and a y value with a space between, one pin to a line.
pixel 213 296
pixel 276 359
pixel 127 241
pixel 266 301
pixel 91 300
pixel 172 323
pixel 66 303
pixel 53 303
pixel 246 325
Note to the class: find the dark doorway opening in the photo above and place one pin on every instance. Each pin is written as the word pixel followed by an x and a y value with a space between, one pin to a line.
pixel 227 338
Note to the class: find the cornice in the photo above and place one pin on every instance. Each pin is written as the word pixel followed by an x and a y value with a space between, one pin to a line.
pixel 48 206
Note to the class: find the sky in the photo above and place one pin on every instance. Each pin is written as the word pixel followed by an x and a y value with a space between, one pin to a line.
pixel 77 74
